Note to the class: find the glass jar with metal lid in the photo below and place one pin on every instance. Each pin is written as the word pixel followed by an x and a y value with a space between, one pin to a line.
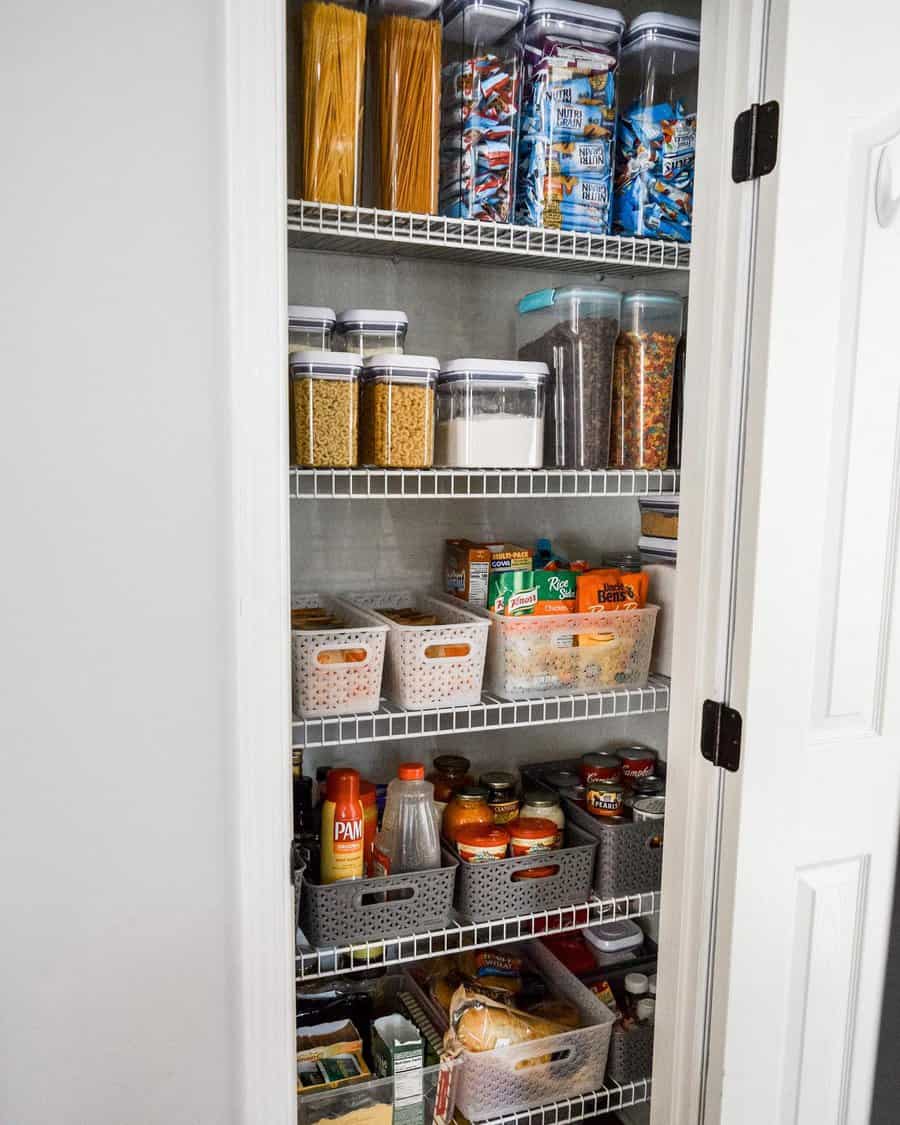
pixel 324 409
pixel 502 800
pixel 544 805
pixel 467 806
pixel 449 776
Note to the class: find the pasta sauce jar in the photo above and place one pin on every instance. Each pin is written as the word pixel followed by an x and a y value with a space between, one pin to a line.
pixel 528 835
pixel 477 843
pixel 600 767
pixel 502 800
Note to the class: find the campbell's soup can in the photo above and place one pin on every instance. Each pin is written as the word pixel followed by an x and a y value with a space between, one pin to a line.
pixel 605 798
pixel 600 767
pixel 637 761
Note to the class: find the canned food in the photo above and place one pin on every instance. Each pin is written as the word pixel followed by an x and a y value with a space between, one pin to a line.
pixel 600 767
pixel 605 798
pixel 650 808
pixel 562 779
pixel 577 793
pixel 637 761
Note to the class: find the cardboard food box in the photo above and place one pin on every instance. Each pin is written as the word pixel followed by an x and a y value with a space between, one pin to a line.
pixel 329 1054
pixel 469 566
pixel 399 1050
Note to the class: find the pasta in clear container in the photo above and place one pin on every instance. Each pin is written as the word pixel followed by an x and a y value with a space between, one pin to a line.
pixel 332 76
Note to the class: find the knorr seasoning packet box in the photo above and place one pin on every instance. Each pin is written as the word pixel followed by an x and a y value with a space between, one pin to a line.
pixel 527 593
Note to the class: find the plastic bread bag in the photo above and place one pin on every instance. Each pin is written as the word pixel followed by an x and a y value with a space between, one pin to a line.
pixel 480 1023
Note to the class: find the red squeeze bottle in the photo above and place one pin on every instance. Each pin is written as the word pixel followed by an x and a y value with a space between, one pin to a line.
pixel 343 833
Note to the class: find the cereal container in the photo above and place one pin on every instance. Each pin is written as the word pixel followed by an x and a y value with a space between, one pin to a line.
pixel 310 327
pixel 407 62
pixel 481 84
pixel 653 193
pixel 568 122
pixel 397 412
pixel 324 409
pixel 573 330
pixel 643 375
pixel 490 414
pixel 366 332
pixel 331 87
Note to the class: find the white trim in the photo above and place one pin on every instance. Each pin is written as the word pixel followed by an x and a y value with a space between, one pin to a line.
pixel 259 793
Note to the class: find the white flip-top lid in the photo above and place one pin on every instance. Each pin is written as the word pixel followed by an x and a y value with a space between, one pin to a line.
pixel 681 29
pixel 576 12
pixel 386 366
pixel 311 314
pixel 494 370
pixel 614 936
pixel 326 365
pixel 373 318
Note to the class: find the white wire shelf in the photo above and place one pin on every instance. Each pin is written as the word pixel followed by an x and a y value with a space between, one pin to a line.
pixel 440 484
pixel 391 722
pixel 605 1100
pixel 460 936
pixel 366 230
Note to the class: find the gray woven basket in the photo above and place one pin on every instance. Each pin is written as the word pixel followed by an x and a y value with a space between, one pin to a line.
pixel 630 1053
pixel 360 910
pixel 487 890
pixel 629 855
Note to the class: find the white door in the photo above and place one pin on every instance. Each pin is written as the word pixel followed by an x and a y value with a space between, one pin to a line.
pixel 810 821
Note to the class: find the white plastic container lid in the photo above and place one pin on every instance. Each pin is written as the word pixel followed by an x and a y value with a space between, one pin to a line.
pixel 578 16
pixel 311 316
pixel 326 365
pixel 652 984
pixel 660 26
pixel 402 368
pixel 494 371
pixel 612 937
pixel 372 319
pixel 637 984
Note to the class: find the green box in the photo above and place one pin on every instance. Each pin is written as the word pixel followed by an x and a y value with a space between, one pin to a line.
pixel 398 1049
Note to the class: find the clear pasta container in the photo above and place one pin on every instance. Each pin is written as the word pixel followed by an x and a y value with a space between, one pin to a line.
pixel 331 88
pixel 573 330
pixel 568 123
pixel 481 90
pixel 367 332
pixel 407 38
pixel 657 129
pixel 324 409
pixel 490 414
pixel 397 411
pixel 643 375
pixel 310 327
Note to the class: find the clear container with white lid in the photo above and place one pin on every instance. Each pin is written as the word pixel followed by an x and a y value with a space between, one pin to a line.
pixel 657 127
pixel 573 330
pixel 614 942
pixel 490 414
pixel 310 327
pixel 366 332
pixel 397 411
pixel 568 119
pixel 324 409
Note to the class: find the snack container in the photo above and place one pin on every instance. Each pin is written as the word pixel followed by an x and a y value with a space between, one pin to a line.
pixel 573 330
pixel 653 193
pixel 310 328
pixel 490 414
pixel 366 332
pixel 429 666
pixel 337 671
pixel 481 81
pixel 372 1100
pixel 614 942
pixel 397 411
pixel 568 119
pixel 643 374
pixel 324 409
pixel 331 87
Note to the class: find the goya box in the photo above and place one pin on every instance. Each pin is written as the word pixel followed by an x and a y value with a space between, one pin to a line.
pixel 469 566
pixel 528 593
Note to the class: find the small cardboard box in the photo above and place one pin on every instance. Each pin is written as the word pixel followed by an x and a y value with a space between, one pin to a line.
pixel 398 1049
pixel 469 566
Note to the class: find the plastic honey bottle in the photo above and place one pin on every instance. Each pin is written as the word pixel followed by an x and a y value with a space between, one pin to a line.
pixel 343 834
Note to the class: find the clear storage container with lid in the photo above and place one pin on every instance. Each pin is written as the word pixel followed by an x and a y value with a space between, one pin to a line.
pixel 310 327
pixel 330 96
pixel 573 330
pixel 366 332
pixel 481 92
pixel 490 414
pixel 643 373
pixel 568 122
pixel 397 412
pixel 324 409
pixel 653 194
pixel 407 64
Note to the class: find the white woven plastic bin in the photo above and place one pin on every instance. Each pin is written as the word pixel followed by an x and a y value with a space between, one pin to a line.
pixel 323 687
pixel 417 676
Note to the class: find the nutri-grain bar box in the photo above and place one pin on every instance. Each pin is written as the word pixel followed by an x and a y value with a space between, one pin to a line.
pixel 469 566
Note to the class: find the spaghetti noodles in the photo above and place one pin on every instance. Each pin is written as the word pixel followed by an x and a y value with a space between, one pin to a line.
pixel 409 73
pixel 331 90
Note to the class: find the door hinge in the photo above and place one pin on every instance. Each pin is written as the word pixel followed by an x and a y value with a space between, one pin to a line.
pixel 720 735
pixel 755 150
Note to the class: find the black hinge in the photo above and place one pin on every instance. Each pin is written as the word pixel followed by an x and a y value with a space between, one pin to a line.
pixel 720 735
pixel 755 150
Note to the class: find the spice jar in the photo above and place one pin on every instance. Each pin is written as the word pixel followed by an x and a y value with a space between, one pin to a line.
pixel 366 332
pixel 643 373
pixel 600 767
pixel 605 798
pixel 468 806
pixel 477 843
pixel 637 761
pixel 502 800
pixel 448 776
pixel 397 429
pixel 541 804
pixel 310 327
pixel 324 409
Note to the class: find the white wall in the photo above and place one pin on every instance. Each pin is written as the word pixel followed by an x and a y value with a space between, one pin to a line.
pixel 114 972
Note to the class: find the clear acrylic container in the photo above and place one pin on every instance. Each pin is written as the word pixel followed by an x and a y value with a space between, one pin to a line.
pixel 568 121
pixel 310 327
pixel 331 88
pixel 490 414
pixel 324 409
pixel 573 330
pixel 397 411
pixel 481 90
pixel 654 181
pixel 643 376
pixel 407 41
pixel 366 332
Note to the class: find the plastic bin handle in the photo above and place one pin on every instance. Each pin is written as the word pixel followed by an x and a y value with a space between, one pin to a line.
pixel 541 1053
pixel 384 894
pixel 341 657
pixel 454 650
